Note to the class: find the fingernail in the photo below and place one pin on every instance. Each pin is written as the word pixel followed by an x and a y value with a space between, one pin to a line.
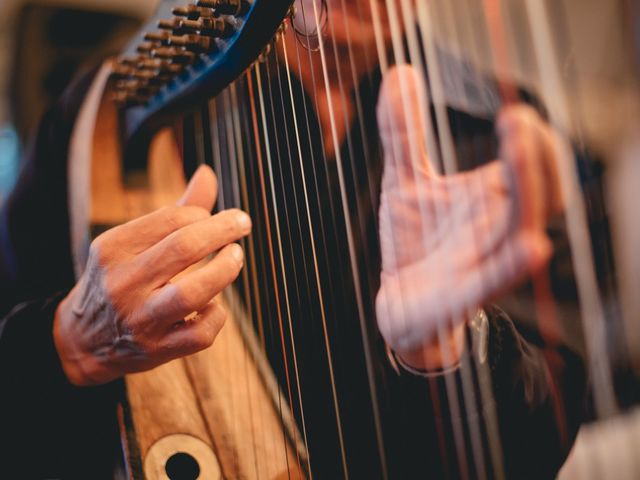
pixel 237 253
pixel 244 222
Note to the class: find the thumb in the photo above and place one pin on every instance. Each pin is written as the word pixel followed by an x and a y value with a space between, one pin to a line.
pixel 401 122
pixel 202 189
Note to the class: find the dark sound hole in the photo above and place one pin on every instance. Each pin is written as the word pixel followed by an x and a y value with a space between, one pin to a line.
pixel 182 466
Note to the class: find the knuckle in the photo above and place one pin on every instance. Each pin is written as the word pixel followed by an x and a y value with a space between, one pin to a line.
pixel 207 337
pixel 114 289
pixel 184 299
pixel 228 223
pixel 202 338
pixel 232 266
pixel 176 217
pixel 184 244
pixel 99 249
pixel 169 216
pixel 220 317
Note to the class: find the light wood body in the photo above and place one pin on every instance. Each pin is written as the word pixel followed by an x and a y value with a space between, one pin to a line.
pixel 218 396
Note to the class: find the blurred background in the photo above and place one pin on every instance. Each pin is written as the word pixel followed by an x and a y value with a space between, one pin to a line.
pixel 43 44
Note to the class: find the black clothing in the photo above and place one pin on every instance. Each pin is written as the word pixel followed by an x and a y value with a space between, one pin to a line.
pixel 416 424
pixel 48 427
pixel 76 428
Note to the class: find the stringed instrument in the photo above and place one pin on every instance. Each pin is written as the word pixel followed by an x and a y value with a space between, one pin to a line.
pixel 280 99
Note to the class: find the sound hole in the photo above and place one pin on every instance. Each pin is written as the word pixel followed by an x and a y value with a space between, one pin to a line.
pixel 182 466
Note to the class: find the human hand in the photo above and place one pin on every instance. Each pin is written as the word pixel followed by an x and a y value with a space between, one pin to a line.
pixel 453 243
pixel 126 314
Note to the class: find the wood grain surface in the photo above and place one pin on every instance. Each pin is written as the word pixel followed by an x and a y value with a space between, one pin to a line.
pixel 219 396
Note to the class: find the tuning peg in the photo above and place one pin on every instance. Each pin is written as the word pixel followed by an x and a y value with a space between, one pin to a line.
pixel 193 12
pixel 174 24
pixel 122 71
pixel 152 77
pixel 176 55
pixel 147 47
pixel 131 61
pixel 161 65
pixel 126 98
pixel 137 87
pixel 194 43
pixel 210 27
pixel 225 7
pixel 262 58
pixel 159 36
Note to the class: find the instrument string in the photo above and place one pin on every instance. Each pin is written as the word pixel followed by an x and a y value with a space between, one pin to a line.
pixel 328 349
pixel 241 200
pixel 417 159
pixel 347 71
pixel 254 305
pixel 546 311
pixel 213 116
pixel 283 227
pixel 199 138
pixel 486 394
pixel 356 95
pixel 352 255
pixel 321 203
pixel 328 199
pixel 469 400
pixel 299 220
pixel 472 62
pixel 384 66
pixel 592 311
pixel 257 254
pixel 314 255
pixel 265 205
pixel 477 191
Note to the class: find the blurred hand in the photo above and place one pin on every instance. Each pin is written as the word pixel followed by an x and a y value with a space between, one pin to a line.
pixel 453 243
pixel 125 314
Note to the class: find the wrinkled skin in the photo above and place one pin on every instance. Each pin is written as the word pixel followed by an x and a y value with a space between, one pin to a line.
pixel 453 243
pixel 126 314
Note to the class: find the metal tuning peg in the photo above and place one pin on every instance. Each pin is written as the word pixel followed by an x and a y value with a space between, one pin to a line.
pixel 122 71
pixel 147 47
pixel 175 55
pixel 161 65
pixel 152 77
pixel 194 43
pixel 175 24
pixel 137 87
pixel 126 98
pixel 161 36
pixel 225 7
pixel 209 27
pixel 193 12
pixel 131 61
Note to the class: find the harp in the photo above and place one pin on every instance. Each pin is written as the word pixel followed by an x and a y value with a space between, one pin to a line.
pixel 282 101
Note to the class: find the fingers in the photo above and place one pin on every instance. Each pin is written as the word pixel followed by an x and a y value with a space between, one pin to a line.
pixel 202 190
pixel 420 298
pixel 194 206
pixel 531 149
pixel 401 115
pixel 195 290
pixel 194 335
pixel 190 244
pixel 141 233
pixel 524 254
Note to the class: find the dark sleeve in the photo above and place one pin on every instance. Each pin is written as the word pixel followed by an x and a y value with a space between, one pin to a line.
pixel 540 395
pixel 522 404
pixel 35 247
pixel 50 428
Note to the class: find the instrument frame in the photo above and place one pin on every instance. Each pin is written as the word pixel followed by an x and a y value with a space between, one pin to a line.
pixel 255 28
